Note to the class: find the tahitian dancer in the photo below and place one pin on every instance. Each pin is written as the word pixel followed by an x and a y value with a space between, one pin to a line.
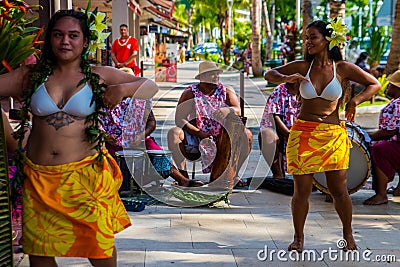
pixel 318 140
pixel 71 206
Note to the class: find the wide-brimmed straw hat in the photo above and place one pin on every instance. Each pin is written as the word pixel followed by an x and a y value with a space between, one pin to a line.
pixel 395 78
pixel 208 66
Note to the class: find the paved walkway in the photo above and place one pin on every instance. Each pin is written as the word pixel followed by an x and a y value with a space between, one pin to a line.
pixel 233 234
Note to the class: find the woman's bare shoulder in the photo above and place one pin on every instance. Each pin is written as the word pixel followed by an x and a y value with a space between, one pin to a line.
pixel 111 75
pixel 14 82
pixel 346 69
pixel 104 71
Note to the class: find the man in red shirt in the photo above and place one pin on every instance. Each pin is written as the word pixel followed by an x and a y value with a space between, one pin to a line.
pixel 125 50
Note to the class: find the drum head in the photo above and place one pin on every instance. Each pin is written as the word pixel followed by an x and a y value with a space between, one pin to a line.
pixel 159 152
pixel 129 153
pixel 357 174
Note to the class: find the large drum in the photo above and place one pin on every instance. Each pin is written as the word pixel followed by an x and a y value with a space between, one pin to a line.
pixel 360 161
pixel 131 165
pixel 159 161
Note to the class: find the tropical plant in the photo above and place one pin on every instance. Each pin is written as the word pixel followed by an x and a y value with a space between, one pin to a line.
pixel 384 83
pixel 17 42
pixel 17 38
pixel 378 43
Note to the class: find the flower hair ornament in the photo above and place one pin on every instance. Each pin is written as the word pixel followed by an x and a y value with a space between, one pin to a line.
pixel 97 25
pixel 338 32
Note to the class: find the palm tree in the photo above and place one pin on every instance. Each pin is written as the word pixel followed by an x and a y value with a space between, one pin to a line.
pixel 307 18
pixel 337 8
pixel 255 39
pixel 394 54
pixel 184 11
pixel 267 28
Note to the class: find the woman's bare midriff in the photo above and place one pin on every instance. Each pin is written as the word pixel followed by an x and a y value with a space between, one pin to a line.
pixel 319 110
pixel 48 146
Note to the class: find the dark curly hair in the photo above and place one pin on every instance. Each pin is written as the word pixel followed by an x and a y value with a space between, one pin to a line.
pixel 333 53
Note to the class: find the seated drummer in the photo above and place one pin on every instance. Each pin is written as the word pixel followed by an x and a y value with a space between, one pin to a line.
pixel 280 112
pixel 124 126
pixel 385 150
pixel 199 112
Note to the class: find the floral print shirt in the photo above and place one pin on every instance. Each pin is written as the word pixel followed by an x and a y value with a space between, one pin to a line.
pixel 389 118
pixel 125 121
pixel 282 103
pixel 205 105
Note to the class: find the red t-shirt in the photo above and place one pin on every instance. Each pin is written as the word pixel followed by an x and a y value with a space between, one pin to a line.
pixel 123 50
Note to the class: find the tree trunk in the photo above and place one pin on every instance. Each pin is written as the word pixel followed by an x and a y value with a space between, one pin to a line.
pixel 221 21
pixel 307 18
pixel 267 28
pixel 255 39
pixel 337 9
pixel 393 60
pixel 190 39
pixel 272 19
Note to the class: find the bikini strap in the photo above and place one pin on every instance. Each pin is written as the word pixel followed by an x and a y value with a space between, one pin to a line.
pixel 334 69
pixel 309 69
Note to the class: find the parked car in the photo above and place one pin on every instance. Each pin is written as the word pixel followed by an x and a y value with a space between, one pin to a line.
pixel 211 48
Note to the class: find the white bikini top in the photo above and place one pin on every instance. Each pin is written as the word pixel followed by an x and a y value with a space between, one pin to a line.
pixel 332 92
pixel 78 105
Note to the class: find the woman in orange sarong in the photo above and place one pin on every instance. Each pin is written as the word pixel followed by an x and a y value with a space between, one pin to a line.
pixel 318 140
pixel 71 206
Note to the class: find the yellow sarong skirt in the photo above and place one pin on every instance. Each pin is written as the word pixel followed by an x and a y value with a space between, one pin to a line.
pixel 317 147
pixel 73 210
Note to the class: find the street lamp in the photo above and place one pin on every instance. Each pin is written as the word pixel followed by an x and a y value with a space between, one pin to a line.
pixel 229 3
pixel 360 15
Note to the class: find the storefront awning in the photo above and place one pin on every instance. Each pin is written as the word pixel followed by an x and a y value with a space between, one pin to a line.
pixel 134 6
pixel 385 16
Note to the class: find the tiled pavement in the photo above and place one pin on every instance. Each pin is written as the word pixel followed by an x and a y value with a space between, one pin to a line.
pixel 233 234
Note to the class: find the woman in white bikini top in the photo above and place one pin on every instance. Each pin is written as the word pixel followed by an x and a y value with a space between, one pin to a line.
pixel 331 92
pixel 318 140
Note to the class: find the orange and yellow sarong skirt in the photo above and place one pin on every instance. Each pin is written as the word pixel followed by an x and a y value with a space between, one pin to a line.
pixel 317 147
pixel 73 210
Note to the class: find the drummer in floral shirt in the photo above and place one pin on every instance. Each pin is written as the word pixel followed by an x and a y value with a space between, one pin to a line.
pixel 280 112
pixel 386 151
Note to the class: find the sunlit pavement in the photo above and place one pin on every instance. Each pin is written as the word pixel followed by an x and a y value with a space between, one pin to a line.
pixel 236 234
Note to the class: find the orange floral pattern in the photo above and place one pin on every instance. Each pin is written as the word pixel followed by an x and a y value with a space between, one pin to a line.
pixel 317 147
pixel 73 210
